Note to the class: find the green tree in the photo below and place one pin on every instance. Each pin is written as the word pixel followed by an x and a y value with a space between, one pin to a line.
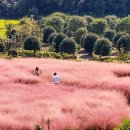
pixel 82 40
pixel 89 19
pixel 58 14
pixel 74 23
pixel 123 25
pixel 57 41
pixel 10 31
pixel 51 37
pixel 24 6
pixel 79 33
pixel 109 34
pixel 98 26
pixel 32 43
pixel 102 47
pixel 96 8
pixel 117 37
pixel 56 22
pixel 47 32
pixel 88 43
pixel 26 27
pixel 111 21
pixel 68 45
pixel 123 43
pixel 2 46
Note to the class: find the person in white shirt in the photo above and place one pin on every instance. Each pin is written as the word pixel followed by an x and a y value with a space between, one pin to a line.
pixel 56 79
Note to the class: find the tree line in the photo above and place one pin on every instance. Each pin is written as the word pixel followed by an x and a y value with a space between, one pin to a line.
pixel 61 33
pixel 98 8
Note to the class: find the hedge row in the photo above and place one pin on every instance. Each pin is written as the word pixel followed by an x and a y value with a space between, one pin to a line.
pixel 41 54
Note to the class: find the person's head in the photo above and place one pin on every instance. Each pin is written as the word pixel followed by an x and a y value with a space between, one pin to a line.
pixel 36 68
pixel 55 74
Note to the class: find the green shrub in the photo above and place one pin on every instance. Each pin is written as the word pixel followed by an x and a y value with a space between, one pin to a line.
pixel 123 57
pixel 41 54
pixel 82 40
pixel 32 43
pixel 112 60
pixel 12 53
pixel 68 45
pixel 26 53
pixel 95 57
pixel 8 57
pixel 47 32
pixel 72 56
pixel 56 22
pixel 124 126
pixel 89 19
pixel 123 25
pixel 57 41
pixel 103 47
pixel 10 31
pixel 2 46
pixel 51 38
pixel 61 15
pixel 117 37
pixel 98 26
pixel 123 44
pixel 109 34
pixel 111 21
pixel 78 47
pixel 88 43
pixel 79 33
pixel 74 23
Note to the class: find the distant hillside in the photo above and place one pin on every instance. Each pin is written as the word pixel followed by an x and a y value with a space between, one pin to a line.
pixel 19 8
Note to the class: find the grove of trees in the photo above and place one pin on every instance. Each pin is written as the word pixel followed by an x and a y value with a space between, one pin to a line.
pixel 20 8
pixel 64 33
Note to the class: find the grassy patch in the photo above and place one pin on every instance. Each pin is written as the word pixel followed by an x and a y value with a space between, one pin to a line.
pixel 2 33
pixel 3 24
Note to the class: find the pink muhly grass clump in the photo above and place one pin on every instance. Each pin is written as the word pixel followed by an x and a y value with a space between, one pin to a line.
pixel 91 95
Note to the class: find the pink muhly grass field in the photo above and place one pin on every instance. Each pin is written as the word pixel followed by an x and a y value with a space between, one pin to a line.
pixel 92 95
